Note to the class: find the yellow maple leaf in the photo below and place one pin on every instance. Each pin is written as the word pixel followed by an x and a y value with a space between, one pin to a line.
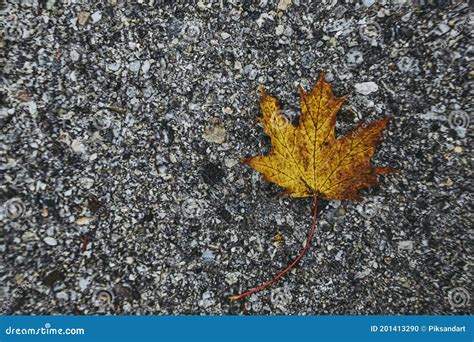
pixel 309 160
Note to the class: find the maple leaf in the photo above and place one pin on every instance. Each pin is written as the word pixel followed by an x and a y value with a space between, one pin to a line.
pixel 309 160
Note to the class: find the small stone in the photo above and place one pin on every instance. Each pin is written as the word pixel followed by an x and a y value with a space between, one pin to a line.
pixel 84 283
pixel 458 149
pixel 50 4
pixel 45 212
pixel 214 133
pixel 50 241
pixel 74 55
pixel 227 110
pixel 225 35
pixel 32 108
pixel 206 300
pixel 461 131
pixel 366 88
pixel 208 256
pixel 146 66
pixel 82 221
pixel 114 66
pixel 283 4
pixel 288 31
pixel 231 278
pixel 443 28
pixel 86 182
pixel 134 66
pixel 83 17
pixel 332 42
pixel 406 245
pixel 96 16
pixel 77 146
pixel 29 236
pixel 129 260
pixel 279 30
pixel 368 3
pixel 62 295
pixel 23 95
pixel 229 162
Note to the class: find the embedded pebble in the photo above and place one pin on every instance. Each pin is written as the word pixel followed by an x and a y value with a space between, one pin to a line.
pixel 231 278
pixel 50 241
pixel 214 133
pixel 29 236
pixel 82 221
pixel 366 88
pixel 114 66
pixel 208 255
pixel 74 55
pixel 279 30
pixel 283 4
pixel 96 16
pixel 83 17
pixel 146 66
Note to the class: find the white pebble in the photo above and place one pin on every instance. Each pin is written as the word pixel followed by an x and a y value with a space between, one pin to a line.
pixel 366 88
pixel 406 245
pixel 283 4
pixel 77 146
pixel 279 30
pixel 74 55
pixel 146 66
pixel 113 66
pixel 96 16
pixel 82 221
pixel 32 108
pixel 50 241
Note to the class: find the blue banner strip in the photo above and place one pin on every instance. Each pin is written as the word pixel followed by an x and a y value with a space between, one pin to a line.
pixel 237 328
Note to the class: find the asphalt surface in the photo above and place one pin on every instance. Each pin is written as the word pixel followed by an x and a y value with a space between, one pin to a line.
pixel 122 129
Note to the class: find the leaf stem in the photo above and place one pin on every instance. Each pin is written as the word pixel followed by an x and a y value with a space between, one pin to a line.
pixel 279 275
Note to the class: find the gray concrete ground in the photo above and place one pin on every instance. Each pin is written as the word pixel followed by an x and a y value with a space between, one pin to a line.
pixel 122 127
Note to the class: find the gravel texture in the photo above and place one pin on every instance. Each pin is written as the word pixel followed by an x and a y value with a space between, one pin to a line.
pixel 122 129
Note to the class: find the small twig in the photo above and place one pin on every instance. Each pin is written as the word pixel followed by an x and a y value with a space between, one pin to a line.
pixel 279 275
